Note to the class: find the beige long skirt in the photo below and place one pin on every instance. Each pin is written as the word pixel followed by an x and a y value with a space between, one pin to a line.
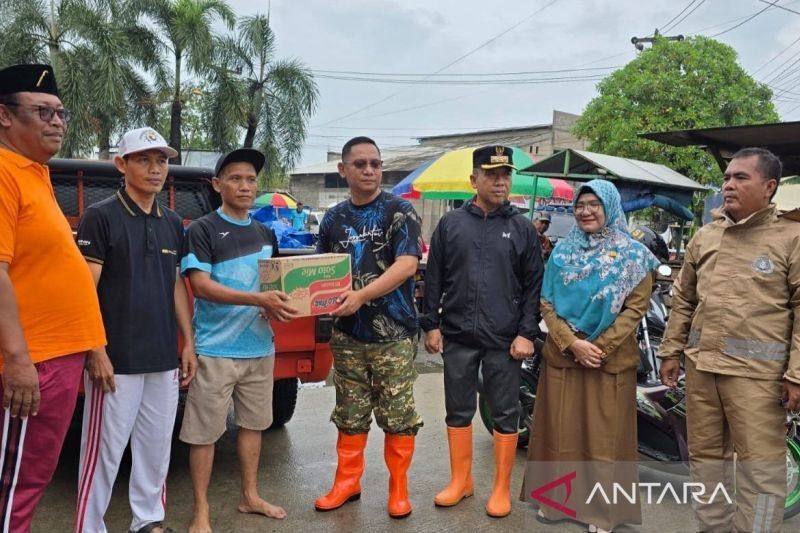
pixel 584 433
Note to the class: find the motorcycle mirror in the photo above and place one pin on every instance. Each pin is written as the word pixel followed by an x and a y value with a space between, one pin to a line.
pixel 664 270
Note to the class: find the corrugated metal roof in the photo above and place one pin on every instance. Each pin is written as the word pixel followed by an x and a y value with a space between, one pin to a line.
pixel 621 168
pixel 782 139
pixel 317 168
pixel 475 133
pixel 408 158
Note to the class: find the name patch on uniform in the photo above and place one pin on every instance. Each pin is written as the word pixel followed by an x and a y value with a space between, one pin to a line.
pixel 763 265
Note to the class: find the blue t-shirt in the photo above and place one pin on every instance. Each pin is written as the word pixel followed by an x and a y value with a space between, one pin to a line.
pixel 375 235
pixel 229 250
pixel 299 219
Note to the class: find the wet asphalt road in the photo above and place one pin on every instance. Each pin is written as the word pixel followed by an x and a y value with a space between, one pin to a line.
pixel 298 462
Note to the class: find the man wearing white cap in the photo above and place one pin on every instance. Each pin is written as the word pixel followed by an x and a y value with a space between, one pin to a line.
pixel 132 245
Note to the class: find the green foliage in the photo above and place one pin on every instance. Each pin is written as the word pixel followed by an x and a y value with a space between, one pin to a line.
pixel 695 83
pixel 195 133
pixel 128 63
pixel 98 51
pixel 185 30
pixel 271 100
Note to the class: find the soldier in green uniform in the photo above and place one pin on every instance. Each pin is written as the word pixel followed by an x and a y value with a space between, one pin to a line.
pixel 374 340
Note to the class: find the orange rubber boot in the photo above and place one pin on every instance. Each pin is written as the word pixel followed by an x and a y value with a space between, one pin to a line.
pixel 397 451
pixel 347 483
pixel 505 453
pixel 461 485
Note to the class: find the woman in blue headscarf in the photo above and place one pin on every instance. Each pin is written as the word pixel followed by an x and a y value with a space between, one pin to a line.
pixel 595 291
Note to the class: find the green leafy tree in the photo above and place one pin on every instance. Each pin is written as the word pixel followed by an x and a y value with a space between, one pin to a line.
pixel 98 51
pixel 268 100
pixel 195 134
pixel 696 83
pixel 185 28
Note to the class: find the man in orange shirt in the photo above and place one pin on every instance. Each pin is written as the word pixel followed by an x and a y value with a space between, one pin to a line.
pixel 49 313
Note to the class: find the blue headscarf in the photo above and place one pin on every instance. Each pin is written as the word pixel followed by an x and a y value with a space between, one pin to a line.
pixel 589 276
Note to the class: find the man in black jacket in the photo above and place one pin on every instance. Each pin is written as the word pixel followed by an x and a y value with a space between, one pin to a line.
pixel 482 288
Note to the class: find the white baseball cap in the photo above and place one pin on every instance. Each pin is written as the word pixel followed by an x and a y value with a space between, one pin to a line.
pixel 142 139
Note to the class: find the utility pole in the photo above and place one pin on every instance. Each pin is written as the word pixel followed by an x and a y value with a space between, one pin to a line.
pixel 639 42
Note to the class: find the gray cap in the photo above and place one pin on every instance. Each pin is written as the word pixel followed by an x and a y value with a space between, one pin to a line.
pixel 543 216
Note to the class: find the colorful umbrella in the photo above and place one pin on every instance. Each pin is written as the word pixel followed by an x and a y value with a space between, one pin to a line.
pixel 447 178
pixel 561 189
pixel 275 199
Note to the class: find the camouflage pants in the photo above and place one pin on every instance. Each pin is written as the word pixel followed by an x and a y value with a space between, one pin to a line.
pixel 375 377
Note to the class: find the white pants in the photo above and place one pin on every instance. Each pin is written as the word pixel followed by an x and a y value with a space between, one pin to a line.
pixel 141 410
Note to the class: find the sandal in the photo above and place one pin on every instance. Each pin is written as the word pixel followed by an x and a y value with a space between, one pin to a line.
pixel 149 528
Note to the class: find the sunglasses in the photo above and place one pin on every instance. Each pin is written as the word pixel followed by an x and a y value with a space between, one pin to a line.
pixel 46 113
pixel 361 164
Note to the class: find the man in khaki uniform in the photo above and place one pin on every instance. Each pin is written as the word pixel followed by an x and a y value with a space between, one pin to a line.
pixel 733 315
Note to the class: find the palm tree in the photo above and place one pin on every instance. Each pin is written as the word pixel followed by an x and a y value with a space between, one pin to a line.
pixel 272 99
pixel 96 48
pixel 186 30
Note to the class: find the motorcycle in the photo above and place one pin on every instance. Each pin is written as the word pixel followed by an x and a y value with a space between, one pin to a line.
pixel 660 411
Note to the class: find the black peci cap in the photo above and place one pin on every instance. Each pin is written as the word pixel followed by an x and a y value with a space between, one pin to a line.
pixel 28 78
pixel 494 156
pixel 247 155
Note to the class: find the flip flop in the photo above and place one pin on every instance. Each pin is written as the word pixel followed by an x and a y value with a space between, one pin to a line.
pixel 149 528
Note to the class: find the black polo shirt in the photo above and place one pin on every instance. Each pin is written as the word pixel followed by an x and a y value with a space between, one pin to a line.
pixel 140 253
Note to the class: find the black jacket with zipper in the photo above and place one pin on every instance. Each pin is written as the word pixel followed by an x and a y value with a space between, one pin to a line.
pixel 483 277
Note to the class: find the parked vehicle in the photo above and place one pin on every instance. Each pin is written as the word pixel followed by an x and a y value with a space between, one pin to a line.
pixel 314 220
pixel 302 350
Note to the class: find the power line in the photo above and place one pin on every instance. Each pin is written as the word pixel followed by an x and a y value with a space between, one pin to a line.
pixel 424 81
pixel 785 81
pixel 627 52
pixel 767 77
pixel 780 7
pixel 676 16
pixel 476 74
pixel 464 56
pixel 748 19
pixel 429 104
pixel 737 19
pixel 786 71
pixel 678 22
pixel 413 108
pixel 442 128
pixel 793 110
pixel 385 136
pixel 718 25
pixel 776 56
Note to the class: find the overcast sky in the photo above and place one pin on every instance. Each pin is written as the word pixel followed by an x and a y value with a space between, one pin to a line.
pixel 423 36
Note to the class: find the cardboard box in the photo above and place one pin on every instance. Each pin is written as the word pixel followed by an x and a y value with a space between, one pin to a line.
pixel 313 282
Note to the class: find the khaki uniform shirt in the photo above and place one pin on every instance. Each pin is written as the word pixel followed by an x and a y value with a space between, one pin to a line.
pixel 733 302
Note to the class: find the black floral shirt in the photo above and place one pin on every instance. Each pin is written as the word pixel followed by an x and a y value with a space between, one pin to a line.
pixel 374 235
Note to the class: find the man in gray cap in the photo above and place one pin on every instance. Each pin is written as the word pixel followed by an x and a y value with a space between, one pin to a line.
pixel 542 224
pixel 49 313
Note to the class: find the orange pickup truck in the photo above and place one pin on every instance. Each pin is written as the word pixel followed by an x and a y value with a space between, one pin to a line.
pixel 302 345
